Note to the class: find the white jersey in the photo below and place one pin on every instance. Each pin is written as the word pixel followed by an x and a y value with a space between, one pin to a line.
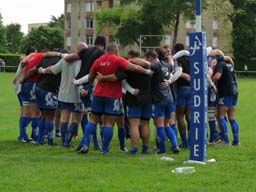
pixel 18 76
pixel 68 92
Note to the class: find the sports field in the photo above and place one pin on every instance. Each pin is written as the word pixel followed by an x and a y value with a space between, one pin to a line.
pixel 25 167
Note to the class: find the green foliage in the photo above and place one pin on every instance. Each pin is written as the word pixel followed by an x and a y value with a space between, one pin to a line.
pixel 11 61
pixel 14 37
pixel 3 40
pixel 244 30
pixel 26 168
pixel 44 38
pixel 57 21
pixel 145 17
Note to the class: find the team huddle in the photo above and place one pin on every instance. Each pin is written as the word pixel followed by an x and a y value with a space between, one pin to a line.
pixel 97 88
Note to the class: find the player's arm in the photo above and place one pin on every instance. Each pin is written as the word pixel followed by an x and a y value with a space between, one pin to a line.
pixel 47 70
pixel 82 80
pixel 216 76
pixel 140 62
pixel 229 59
pixel 25 60
pixel 108 78
pixel 138 69
pixel 129 88
pixel 30 73
pixel 72 57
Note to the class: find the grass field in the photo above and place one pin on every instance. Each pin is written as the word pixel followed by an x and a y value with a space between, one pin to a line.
pixel 25 167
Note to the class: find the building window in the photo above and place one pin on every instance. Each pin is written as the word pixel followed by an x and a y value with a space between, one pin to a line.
pixel 68 24
pixel 215 42
pixel 215 24
pixel 89 39
pixel 69 8
pixel 111 3
pixel 89 23
pixel 89 6
pixel 98 4
pixel 68 39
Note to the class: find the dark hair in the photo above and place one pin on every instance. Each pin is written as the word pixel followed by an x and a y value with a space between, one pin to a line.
pixel 162 55
pixel 30 50
pixel 134 53
pixel 178 47
pixel 151 53
pixel 100 40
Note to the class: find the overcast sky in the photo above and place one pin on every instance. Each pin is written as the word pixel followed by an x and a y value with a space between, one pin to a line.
pixel 30 11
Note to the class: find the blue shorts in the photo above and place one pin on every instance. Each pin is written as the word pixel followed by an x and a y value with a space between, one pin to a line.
pixel 184 95
pixel 173 106
pixel 46 100
pixel 228 101
pixel 108 106
pixel 87 102
pixel 162 109
pixel 27 93
pixel 73 107
pixel 139 111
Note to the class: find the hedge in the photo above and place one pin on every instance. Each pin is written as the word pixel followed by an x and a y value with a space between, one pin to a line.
pixel 11 61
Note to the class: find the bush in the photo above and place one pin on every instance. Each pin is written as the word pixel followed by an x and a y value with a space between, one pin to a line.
pixel 11 61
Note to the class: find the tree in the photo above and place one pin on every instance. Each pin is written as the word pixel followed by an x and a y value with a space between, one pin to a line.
pixel 57 21
pixel 14 37
pixel 44 38
pixel 147 17
pixel 244 30
pixel 3 39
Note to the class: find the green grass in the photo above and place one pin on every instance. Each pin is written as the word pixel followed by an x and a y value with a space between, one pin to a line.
pixel 24 167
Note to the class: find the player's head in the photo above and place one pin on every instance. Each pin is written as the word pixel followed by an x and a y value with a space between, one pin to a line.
pixel 100 41
pixel 30 49
pixel 112 48
pixel 162 54
pixel 178 47
pixel 80 46
pixel 168 49
pixel 151 55
pixel 133 54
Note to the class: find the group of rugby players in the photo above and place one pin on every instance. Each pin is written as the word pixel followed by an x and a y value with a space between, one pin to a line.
pixel 62 90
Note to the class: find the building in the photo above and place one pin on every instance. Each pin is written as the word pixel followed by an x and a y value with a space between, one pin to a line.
pixel 35 25
pixel 79 22
pixel 80 25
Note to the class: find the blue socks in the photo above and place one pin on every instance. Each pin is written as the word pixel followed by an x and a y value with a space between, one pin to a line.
pixel 121 137
pixel 40 138
pixel 212 126
pixel 90 129
pixel 224 129
pixel 24 125
pixel 235 130
pixel 170 134
pixel 84 122
pixel 49 130
pixel 107 137
pixel 161 139
pixel 72 127
pixel 175 129
pixel 35 128
pixel 63 129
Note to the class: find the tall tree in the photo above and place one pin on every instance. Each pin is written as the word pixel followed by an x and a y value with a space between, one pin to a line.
pixel 14 37
pixel 145 17
pixel 57 21
pixel 244 30
pixel 3 39
pixel 44 38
